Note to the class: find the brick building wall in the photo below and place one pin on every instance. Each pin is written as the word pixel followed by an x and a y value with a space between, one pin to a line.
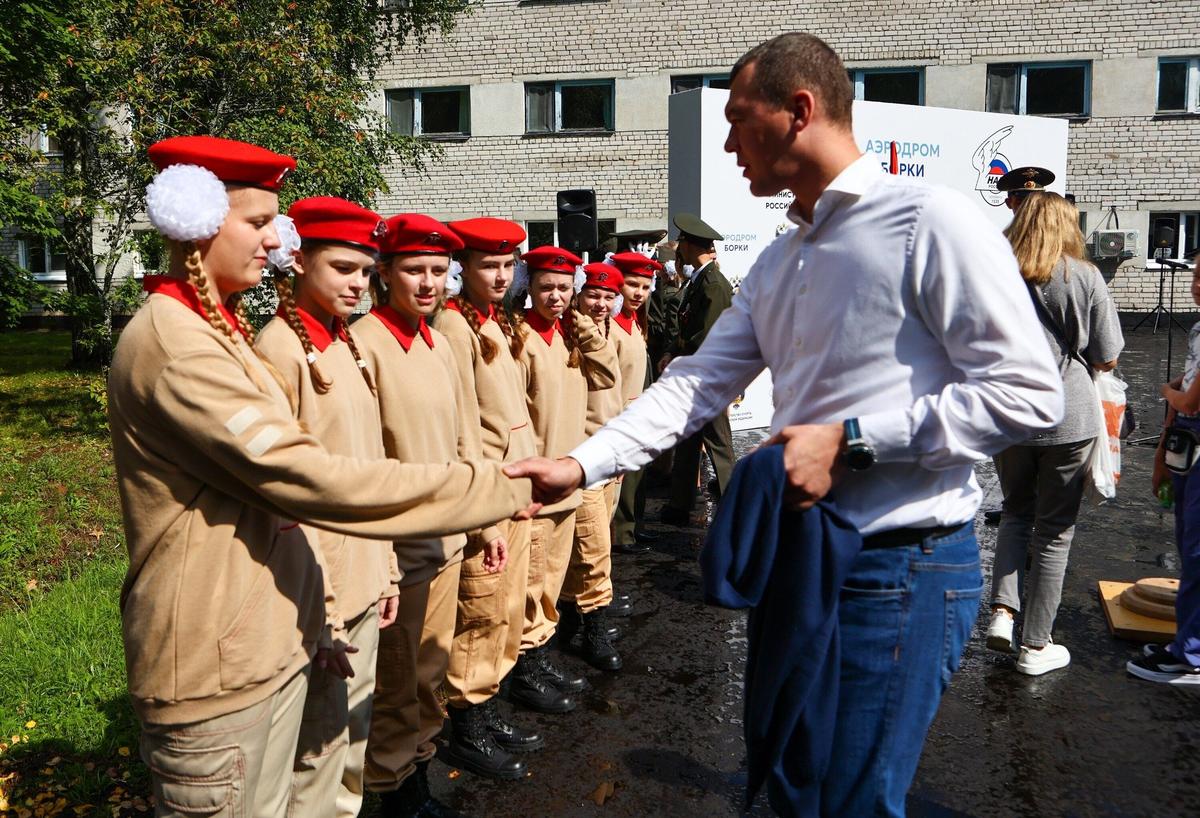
pixel 1124 161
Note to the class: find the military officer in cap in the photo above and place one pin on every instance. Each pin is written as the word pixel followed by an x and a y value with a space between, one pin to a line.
pixel 1020 182
pixel 706 295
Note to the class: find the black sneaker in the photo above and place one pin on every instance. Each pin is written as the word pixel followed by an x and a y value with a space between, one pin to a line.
pixel 1162 666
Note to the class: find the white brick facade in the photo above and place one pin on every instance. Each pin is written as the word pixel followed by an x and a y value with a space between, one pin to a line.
pixel 1122 157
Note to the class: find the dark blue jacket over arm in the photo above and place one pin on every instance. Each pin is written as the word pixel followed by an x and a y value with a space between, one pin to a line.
pixel 788 568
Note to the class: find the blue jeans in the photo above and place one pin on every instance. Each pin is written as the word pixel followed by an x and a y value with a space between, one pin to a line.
pixel 1187 537
pixel 906 614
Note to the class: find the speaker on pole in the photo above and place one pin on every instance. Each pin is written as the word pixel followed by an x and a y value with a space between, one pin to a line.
pixel 578 230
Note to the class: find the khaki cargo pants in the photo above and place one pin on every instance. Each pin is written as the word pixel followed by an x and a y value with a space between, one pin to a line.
pixel 549 556
pixel 589 576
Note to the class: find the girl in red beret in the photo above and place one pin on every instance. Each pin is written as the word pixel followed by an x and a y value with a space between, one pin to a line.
pixel 319 283
pixel 587 590
pixel 424 424
pixel 223 604
pixel 564 358
pixel 491 606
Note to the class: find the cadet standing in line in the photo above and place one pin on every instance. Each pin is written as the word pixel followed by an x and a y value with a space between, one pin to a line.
pixel 223 605
pixel 419 424
pixel 638 286
pixel 706 296
pixel 587 592
pixel 308 342
pixel 491 607
pixel 564 358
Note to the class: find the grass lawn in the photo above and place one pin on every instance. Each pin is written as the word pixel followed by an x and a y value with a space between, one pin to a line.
pixel 67 734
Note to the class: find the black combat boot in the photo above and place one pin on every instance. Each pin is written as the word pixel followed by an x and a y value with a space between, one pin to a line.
pixel 508 735
pixel 597 647
pixel 557 675
pixel 414 800
pixel 569 624
pixel 528 688
pixel 621 605
pixel 472 747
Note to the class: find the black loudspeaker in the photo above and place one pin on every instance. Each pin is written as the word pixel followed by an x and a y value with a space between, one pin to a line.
pixel 1164 233
pixel 578 230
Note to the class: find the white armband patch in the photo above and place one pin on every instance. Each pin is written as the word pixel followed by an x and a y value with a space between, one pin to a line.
pixel 264 440
pixel 242 420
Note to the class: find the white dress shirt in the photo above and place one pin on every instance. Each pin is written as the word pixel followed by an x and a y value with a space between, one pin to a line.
pixel 901 305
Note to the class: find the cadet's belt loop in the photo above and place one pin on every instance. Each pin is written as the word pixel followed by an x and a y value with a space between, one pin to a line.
pixel 927 545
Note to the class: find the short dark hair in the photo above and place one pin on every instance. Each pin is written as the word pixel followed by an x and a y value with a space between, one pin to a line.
pixel 796 60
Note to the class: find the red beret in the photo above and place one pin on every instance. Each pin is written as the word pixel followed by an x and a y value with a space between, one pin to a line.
pixel 635 264
pixel 489 235
pixel 417 233
pixel 327 218
pixel 554 259
pixel 604 276
pixel 232 162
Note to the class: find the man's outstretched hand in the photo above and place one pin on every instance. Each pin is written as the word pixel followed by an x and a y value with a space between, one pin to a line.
pixel 553 480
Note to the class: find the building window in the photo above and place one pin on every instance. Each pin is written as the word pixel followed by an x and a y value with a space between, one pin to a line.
pixel 903 85
pixel 1185 229
pixel 570 105
pixel 1179 85
pixel 689 82
pixel 541 233
pixel 435 112
pixel 46 260
pixel 1042 89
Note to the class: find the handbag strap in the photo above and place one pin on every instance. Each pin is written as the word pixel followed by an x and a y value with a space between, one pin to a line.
pixel 1051 323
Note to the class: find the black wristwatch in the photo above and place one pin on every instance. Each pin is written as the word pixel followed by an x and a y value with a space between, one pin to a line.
pixel 859 456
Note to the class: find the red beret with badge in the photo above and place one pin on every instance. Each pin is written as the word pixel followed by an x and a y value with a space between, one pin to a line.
pixel 328 218
pixel 603 276
pixel 233 162
pixel 551 259
pixel 489 235
pixel 418 234
pixel 635 264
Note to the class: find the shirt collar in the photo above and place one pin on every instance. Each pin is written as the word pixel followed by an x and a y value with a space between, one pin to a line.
pixel 318 333
pixel 183 292
pixel 542 326
pixel 400 327
pixel 854 180
pixel 483 317
pixel 625 321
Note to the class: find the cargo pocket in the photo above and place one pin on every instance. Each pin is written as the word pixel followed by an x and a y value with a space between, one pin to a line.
pixel 207 781
pixel 480 594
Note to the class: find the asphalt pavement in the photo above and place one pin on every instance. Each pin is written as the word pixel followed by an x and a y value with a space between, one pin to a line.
pixel 663 737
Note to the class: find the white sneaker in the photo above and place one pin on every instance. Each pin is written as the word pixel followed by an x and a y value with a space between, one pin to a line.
pixel 1000 632
pixel 1036 661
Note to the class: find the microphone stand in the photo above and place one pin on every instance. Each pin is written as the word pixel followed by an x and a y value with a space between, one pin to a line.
pixel 1164 265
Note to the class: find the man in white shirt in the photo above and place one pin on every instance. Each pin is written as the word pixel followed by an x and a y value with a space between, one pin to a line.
pixel 903 347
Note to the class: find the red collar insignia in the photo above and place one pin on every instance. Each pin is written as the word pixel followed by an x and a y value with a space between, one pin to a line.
pixel 543 327
pixel 183 291
pixel 401 329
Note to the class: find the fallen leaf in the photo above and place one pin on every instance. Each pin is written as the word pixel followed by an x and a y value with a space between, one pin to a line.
pixel 123 751
pixel 602 793
pixel 96 534
pixel 29 586
pixel 453 774
pixel 29 725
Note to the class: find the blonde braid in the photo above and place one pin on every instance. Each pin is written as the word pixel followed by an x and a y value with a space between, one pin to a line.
pixel 487 346
pixel 512 330
pixel 243 319
pixel 283 286
pixel 341 326
pixel 571 336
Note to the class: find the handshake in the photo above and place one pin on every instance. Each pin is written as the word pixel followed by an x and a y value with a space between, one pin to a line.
pixel 553 480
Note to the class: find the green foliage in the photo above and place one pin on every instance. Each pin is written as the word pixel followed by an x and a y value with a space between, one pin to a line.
pixel 108 78
pixel 18 292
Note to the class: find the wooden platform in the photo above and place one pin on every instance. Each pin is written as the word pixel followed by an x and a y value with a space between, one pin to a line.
pixel 1126 624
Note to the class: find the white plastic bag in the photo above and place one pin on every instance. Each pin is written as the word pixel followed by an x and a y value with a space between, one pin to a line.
pixel 1104 462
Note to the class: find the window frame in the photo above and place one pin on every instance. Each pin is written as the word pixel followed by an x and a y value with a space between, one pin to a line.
pixel 25 245
pixel 464 92
pixel 857 79
pixel 556 112
pixel 706 80
pixel 1184 240
pixel 1023 86
pixel 1191 87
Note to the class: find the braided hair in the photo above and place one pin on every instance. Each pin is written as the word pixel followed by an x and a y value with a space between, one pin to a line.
pixel 198 278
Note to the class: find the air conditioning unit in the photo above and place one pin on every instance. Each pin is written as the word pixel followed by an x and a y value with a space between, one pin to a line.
pixel 1114 244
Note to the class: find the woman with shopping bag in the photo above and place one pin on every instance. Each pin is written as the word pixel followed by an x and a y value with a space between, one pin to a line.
pixel 1043 479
